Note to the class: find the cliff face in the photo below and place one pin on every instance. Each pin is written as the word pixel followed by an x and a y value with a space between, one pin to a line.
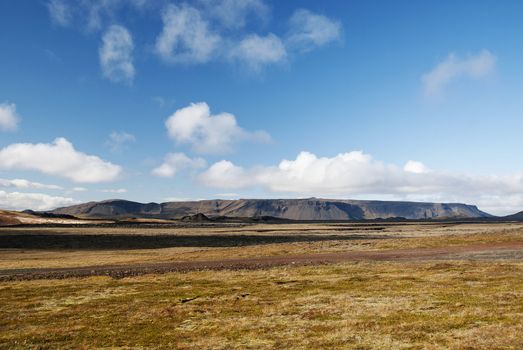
pixel 293 209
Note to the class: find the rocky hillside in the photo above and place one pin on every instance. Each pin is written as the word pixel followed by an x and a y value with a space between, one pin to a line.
pixel 293 209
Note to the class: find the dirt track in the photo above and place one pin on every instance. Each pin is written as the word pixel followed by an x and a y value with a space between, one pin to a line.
pixel 121 271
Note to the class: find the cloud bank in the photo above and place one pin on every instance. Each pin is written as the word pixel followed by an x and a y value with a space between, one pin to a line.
pixel 356 174
pixel 35 201
pixel 22 183
pixel 60 159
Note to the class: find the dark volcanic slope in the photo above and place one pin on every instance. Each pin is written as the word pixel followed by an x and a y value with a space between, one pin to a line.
pixel 294 209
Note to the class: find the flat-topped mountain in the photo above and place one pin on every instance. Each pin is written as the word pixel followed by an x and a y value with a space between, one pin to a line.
pixel 293 209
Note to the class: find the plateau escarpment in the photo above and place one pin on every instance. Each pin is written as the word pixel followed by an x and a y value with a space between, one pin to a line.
pixel 292 209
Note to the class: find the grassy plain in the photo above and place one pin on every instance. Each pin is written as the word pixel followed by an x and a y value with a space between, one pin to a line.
pixel 457 302
pixel 301 239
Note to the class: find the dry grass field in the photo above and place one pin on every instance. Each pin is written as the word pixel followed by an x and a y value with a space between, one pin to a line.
pixel 458 298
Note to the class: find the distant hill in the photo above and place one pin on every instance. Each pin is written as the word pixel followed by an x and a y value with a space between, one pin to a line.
pixel 293 209
pixel 8 218
pixel 515 217
pixel 11 217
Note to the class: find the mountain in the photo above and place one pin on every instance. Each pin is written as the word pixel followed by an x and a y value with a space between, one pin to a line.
pixel 514 217
pixel 293 209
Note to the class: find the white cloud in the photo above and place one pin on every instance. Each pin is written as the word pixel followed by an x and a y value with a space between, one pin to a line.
pixel 476 66
pixel 225 174
pixel 175 162
pixel 189 37
pixel 355 174
pixel 195 32
pixel 346 173
pixel 415 167
pixel 35 201
pixel 113 190
pixel 256 51
pixel 211 134
pixel 193 35
pixel 309 30
pixel 186 37
pixel 118 141
pixel 22 183
pixel 60 12
pixel 8 118
pixel 59 159
pixel 116 55
pixel 234 13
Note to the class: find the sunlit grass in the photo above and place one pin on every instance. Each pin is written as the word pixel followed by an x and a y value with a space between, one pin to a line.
pixel 455 304
pixel 357 305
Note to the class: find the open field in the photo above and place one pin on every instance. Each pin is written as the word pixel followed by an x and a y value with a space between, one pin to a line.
pixel 301 286
pixel 55 247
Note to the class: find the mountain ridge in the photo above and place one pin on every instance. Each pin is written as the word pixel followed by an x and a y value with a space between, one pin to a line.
pixel 292 209
pixel 516 216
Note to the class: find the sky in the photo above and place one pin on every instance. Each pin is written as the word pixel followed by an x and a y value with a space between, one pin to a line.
pixel 153 101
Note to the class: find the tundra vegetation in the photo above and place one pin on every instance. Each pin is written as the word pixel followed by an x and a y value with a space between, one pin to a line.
pixel 458 300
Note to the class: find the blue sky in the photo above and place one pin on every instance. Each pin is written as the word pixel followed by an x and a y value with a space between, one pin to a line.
pixel 161 100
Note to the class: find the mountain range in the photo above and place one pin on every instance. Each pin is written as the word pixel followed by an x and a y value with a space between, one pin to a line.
pixel 292 209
